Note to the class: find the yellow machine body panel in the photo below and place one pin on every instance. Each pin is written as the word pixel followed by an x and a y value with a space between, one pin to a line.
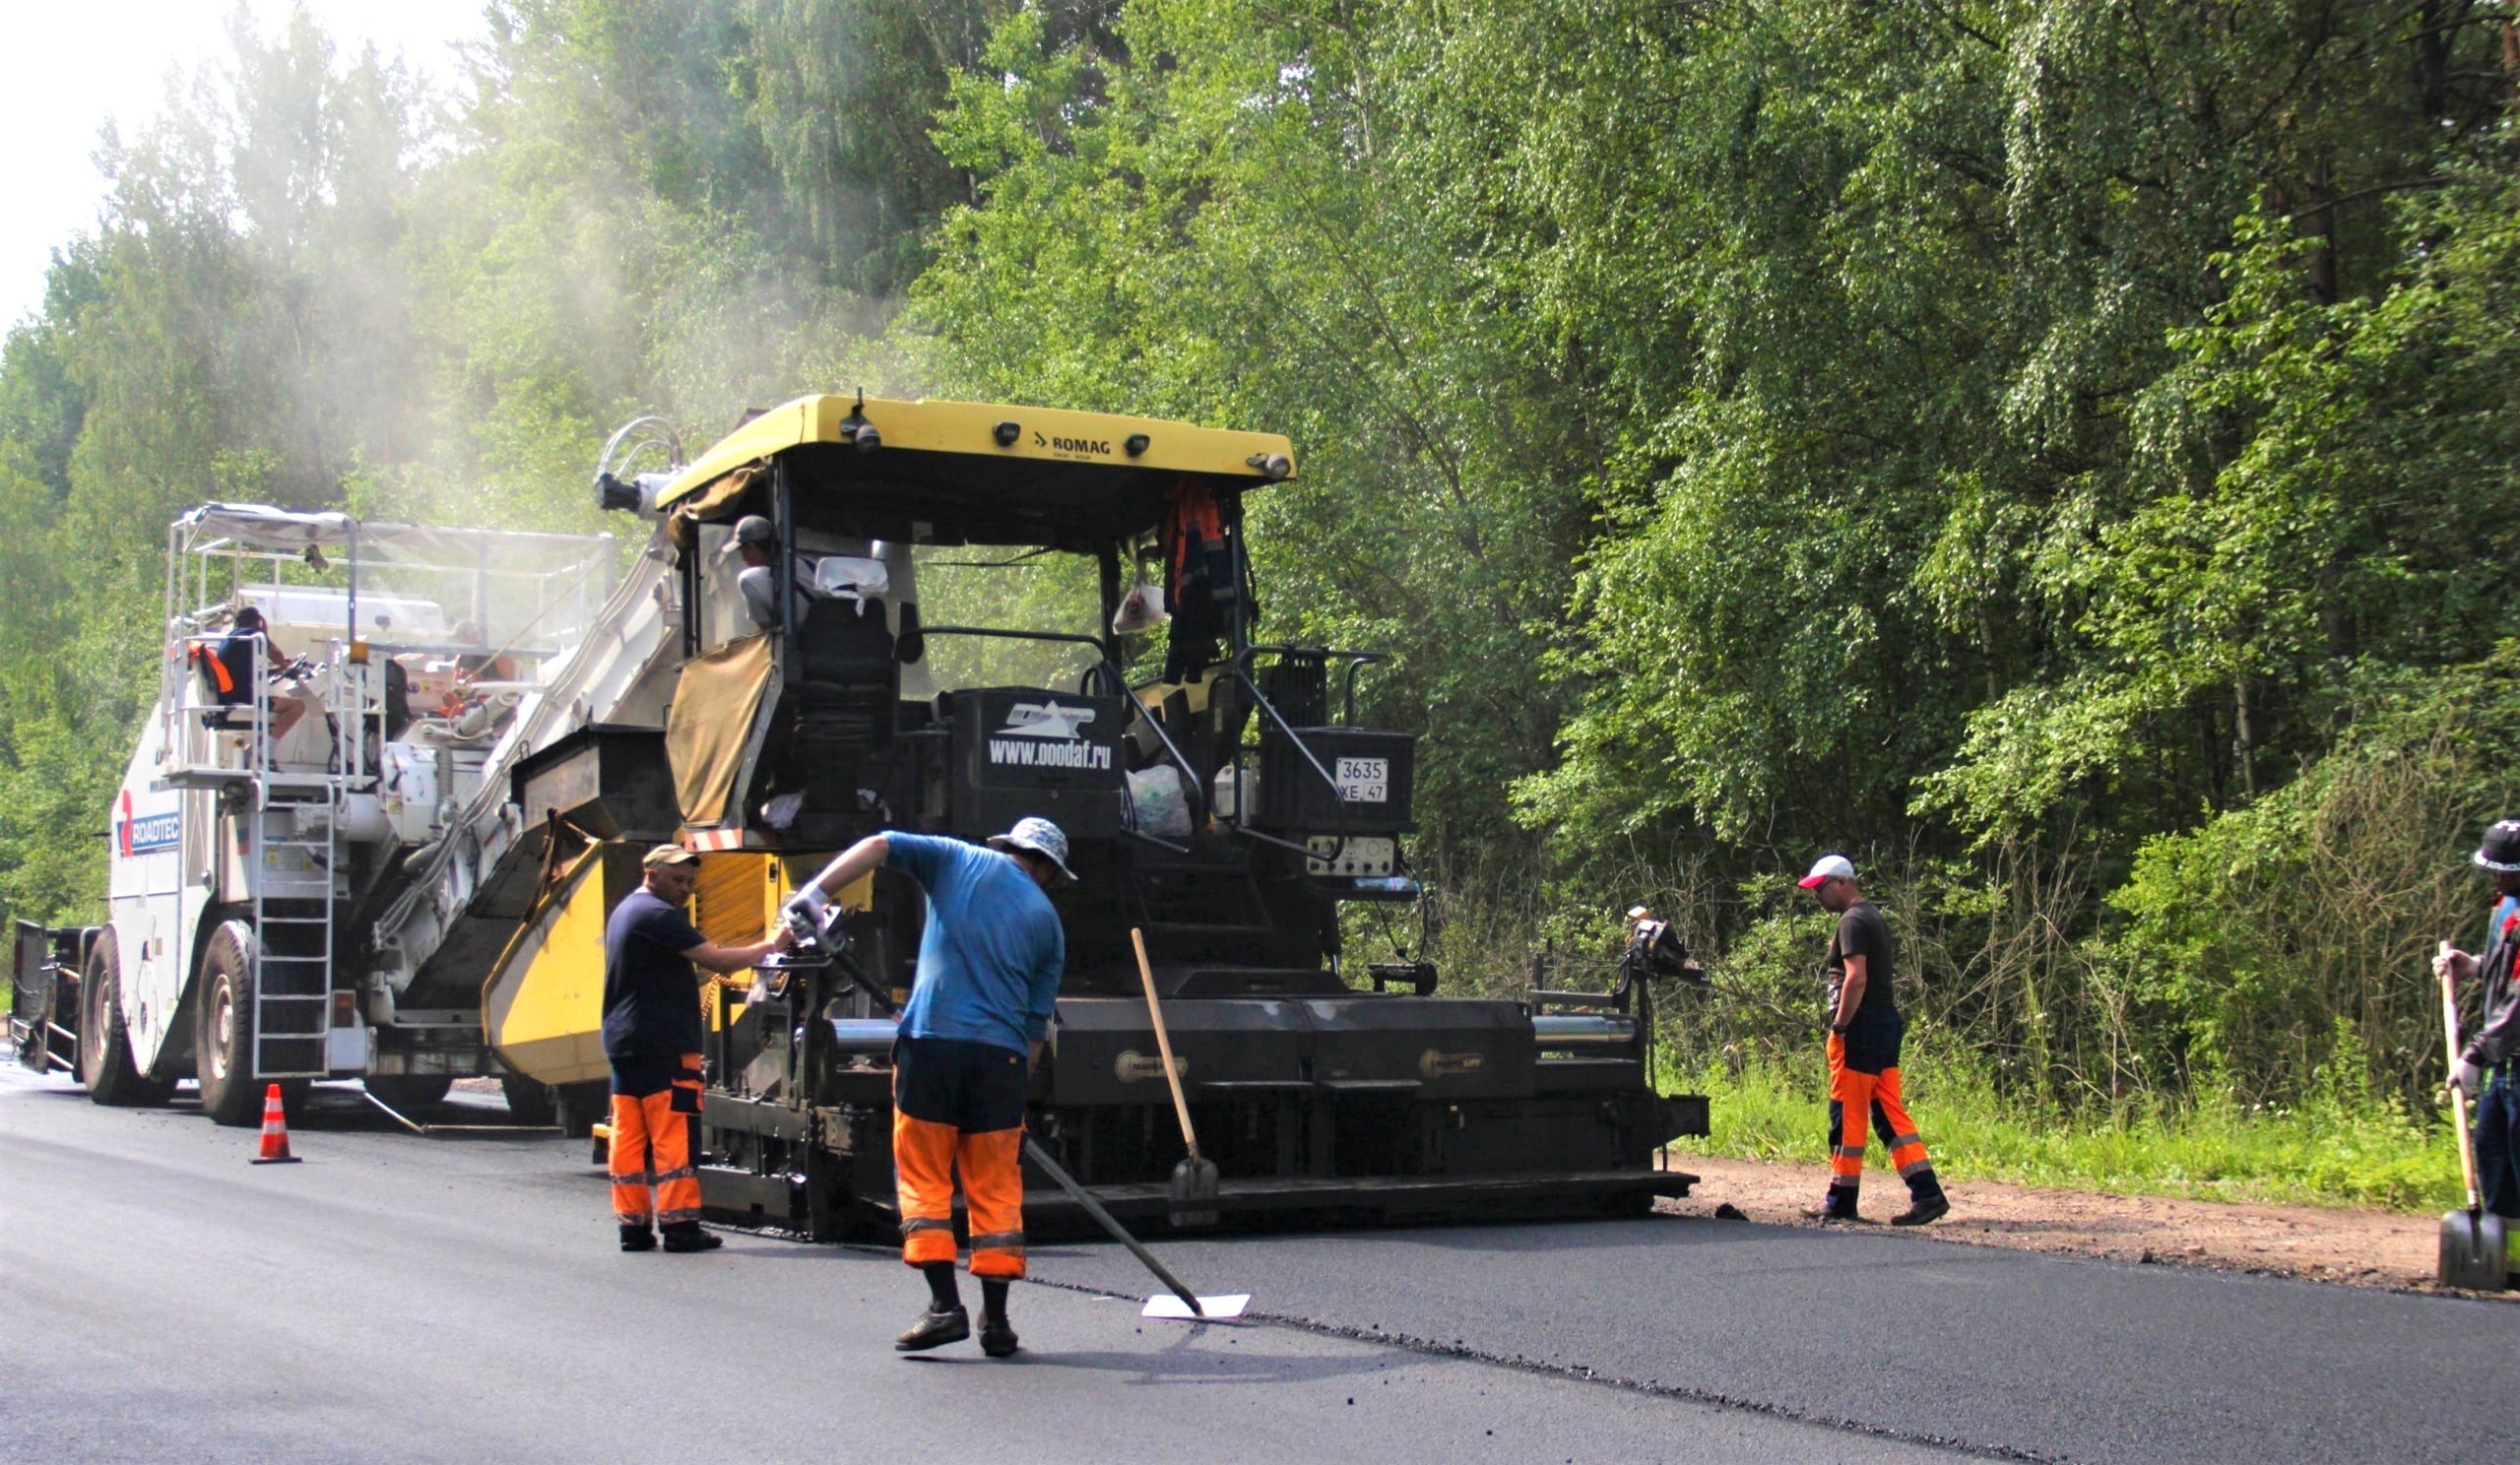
pixel 543 1004
pixel 970 429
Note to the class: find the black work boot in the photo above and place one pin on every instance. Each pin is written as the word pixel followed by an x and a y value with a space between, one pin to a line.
pixel 935 1329
pixel 997 1334
pixel 1926 1202
pixel 1837 1205
pixel 637 1237
pixel 687 1235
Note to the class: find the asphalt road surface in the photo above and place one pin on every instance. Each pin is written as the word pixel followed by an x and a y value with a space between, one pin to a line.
pixel 403 1299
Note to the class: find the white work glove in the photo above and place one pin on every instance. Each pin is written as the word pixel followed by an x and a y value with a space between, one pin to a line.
pixel 809 904
pixel 2466 1079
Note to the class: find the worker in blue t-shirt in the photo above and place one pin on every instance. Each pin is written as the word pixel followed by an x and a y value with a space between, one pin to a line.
pixel 989 968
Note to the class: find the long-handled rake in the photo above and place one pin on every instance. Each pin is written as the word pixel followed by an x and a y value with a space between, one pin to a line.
pixel 1183 1303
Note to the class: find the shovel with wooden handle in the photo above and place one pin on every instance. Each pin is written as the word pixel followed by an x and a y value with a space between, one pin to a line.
pixel 1195 1179
pixel 2472 1243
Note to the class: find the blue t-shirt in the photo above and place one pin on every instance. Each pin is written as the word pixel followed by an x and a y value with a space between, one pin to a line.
pixel 992 955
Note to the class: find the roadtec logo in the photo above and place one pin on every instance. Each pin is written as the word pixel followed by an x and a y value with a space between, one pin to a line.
pixel 1044 735
pixel 145 834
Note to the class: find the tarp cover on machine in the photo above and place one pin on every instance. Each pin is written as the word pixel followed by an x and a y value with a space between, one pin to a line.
pixel 710 721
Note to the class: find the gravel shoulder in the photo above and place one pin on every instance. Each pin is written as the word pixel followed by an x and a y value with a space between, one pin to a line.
pixel 2319 1244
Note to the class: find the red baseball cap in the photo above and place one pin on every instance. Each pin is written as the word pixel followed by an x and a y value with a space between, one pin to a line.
pixel 1830 867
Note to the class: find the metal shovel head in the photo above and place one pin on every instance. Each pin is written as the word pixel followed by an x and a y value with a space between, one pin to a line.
pixel 1211 1308
pixel 2472 1254
pixel 1194 1182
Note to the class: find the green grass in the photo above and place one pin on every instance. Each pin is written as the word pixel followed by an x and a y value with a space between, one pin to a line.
pixel 2321 1154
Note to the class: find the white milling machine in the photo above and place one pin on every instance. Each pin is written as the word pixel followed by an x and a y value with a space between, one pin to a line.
pixel 290 908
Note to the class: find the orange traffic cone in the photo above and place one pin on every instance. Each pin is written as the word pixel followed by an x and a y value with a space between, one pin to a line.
pixel 275 1150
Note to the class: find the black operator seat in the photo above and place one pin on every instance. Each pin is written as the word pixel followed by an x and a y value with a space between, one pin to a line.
pixel 847 677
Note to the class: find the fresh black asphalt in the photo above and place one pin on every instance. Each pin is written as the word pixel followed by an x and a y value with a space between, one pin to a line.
pixel 2048 1356
pixel 406 1299
pixel 396 1299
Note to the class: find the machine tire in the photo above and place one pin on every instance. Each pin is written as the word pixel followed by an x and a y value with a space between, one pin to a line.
pixel 222 1028
pixel 104 1043
pixel 410 1093
pixel 529 1100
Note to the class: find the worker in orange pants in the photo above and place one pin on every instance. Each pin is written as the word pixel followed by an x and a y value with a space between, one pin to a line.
pixel 654 1137
pixel 1864 1032
pixel 1857 1098
pixel 652 1041
pixel 960 1105
pixel 990 963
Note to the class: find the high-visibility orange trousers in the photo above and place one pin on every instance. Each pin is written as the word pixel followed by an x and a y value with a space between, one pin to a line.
pixel 1856 1099
pixel 959 1106
pixel 655 1136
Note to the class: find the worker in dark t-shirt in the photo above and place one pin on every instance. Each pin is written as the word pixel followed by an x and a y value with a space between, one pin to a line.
pixel 652 1039
pixel 1864 1030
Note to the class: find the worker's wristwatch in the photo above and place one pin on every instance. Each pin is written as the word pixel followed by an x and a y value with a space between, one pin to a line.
pixel 1841 1029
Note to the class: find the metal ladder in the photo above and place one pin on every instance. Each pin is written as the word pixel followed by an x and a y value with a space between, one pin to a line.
pixel 293 915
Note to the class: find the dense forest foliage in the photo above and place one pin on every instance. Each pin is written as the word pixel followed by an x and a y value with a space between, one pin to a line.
pixel 2058 451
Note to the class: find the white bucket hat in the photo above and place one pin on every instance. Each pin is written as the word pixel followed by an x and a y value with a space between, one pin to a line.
pixel 1039 836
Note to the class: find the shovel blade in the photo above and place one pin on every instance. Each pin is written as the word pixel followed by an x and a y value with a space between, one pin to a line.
pixel 1193 1182
pixel 1211 1308
pixel 2471 1251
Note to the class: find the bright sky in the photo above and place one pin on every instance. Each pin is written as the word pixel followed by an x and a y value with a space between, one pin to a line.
pixel 82 62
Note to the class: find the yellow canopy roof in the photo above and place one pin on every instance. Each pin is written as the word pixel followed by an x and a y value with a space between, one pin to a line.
pixel 970 431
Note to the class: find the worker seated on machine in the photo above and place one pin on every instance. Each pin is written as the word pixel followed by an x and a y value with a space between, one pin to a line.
pixel 819 576
pixel 758 546
pixel 233 674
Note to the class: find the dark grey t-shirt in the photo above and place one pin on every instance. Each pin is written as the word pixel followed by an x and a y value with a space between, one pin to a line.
pixel 1864 932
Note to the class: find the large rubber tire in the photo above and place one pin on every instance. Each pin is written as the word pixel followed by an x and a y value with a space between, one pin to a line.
pixel 410 1093
pixel 104 1043
pixel 529 1100
pixel 222 1027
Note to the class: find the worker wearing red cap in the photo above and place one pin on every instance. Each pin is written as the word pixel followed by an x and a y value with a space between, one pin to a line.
pixel 652 1040
pixel 1864 1031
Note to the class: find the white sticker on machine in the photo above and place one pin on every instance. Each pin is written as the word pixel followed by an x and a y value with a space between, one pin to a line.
pixel 1365 780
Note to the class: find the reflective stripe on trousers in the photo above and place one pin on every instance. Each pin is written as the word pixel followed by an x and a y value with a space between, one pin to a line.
pixel 1857 1099
pixel 655 1138
pixel 924 1157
